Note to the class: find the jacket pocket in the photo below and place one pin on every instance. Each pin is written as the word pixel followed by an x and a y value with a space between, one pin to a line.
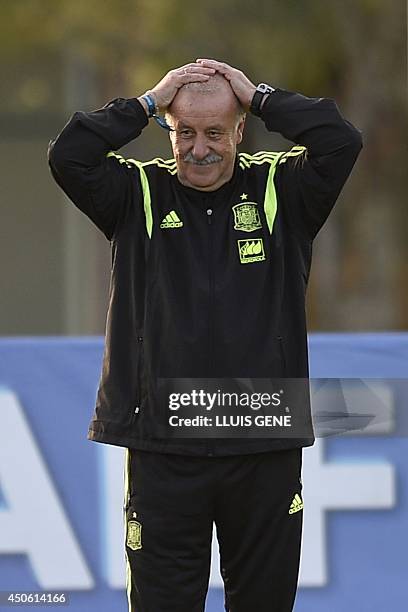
pixel 283 364
pixel 139 377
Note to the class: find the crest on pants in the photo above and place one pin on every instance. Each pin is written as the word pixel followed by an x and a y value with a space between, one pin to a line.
pixel 134 533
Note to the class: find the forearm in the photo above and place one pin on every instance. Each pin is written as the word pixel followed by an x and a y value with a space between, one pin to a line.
pixel 315 123
pixel 87 137
pixel 99 186
pixel 309 189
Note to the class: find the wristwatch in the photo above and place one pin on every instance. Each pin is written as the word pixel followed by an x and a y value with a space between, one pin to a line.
pixel 261 90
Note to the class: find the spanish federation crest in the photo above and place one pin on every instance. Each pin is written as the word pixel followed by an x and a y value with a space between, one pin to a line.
pixel 246 217
pixel 134 534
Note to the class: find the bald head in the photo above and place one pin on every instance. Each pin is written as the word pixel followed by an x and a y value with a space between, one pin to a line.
pixel 193 95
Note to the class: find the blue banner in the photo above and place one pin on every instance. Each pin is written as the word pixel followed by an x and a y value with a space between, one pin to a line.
pixel 61 526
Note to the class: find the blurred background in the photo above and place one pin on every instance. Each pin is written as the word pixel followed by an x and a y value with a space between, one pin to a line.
pixel 61 529
pixel 58 56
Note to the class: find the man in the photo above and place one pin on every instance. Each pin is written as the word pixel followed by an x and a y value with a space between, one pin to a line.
pixel 211 255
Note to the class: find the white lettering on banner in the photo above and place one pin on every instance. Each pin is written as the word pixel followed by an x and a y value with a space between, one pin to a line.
pixel 34 522
pixel 327 486
pixel 112 491
pixel 335 485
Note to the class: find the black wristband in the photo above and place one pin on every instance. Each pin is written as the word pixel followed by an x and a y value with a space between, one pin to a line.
pixel 261 90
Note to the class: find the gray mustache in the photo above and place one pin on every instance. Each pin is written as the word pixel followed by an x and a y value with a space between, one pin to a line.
pixel 212 158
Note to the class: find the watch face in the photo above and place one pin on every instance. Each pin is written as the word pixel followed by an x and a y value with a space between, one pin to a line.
pixel 264 88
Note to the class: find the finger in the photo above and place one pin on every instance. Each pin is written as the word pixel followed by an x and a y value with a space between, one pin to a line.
pixel 223 69
pixel 191 77
pixel 186 74
pixel 194 70
pixel 211 62
pixel 194 67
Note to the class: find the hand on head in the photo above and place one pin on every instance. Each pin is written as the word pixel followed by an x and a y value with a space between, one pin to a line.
pixel 166 89
pixel 242 87
pixel 198 72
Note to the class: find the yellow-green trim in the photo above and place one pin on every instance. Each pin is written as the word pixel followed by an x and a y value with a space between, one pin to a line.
pixel 120 159
pixel 297 152
pixel 259 154
pixel 246 160
pixel 270 201
pixel 169 164
pixel 125 506
pixel 262 157
pixel 147 202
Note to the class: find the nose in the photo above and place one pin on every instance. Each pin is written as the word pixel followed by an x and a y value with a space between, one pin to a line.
pixel 200 148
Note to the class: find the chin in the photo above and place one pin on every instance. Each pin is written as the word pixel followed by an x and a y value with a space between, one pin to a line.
pixel 203 171
pixel 202 180
pixel 204 185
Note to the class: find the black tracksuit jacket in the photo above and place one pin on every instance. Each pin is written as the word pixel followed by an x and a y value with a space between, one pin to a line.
pixel 219 296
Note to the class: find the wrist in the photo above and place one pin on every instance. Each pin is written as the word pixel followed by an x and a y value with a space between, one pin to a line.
pixel 251 94
pixel 264 99
pixel 262 92
pixel 151 108
pixel 144 104
pixel 149 102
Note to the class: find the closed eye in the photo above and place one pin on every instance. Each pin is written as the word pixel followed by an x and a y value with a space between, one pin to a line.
pixel 214 134
pixel 186 133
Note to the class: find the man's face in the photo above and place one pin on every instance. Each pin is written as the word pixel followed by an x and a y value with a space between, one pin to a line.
pixel 207 130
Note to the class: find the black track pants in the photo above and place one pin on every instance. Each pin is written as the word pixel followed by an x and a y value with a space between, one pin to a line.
pixel 171 502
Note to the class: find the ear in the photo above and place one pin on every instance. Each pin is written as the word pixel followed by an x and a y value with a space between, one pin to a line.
pixel 169 120
pixel 240 128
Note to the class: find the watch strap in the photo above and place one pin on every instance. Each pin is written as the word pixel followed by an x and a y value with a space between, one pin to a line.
pixel 261 90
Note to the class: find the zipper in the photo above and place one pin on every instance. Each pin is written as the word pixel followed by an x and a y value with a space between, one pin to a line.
pixel 210 287
pixel 282 355
pixel 136 408
pixel 209 211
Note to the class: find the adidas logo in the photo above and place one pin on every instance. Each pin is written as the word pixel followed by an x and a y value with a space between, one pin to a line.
pixel 171 220
pixel 296 504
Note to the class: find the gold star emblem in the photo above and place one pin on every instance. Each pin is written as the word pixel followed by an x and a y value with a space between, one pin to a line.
pixel 244 196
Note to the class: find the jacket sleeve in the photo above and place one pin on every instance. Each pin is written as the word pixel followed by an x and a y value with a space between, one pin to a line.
pixel 309 180
pixel 101 186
